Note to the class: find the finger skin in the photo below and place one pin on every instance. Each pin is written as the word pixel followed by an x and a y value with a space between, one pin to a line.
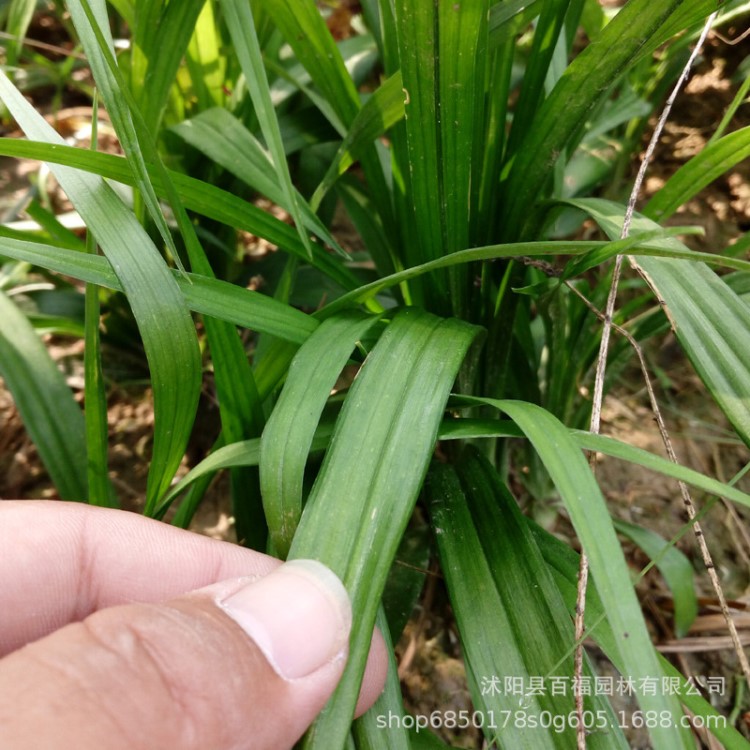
pixel 63 561
pixel 178 675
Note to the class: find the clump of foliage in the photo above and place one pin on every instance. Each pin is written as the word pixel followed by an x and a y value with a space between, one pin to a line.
pixel 464 141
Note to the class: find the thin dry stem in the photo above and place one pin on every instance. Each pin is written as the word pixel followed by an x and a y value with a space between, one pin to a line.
pixel 734 636
pixel 732 42
pixel 601 366
pixel 580 626
pixel 43 45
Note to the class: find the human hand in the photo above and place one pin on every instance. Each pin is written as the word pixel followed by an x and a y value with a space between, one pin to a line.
pixel 121 632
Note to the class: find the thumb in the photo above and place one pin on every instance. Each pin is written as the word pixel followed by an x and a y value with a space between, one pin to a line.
pixel 185 673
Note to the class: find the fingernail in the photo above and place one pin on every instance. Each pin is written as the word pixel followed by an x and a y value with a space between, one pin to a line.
pixel 299 616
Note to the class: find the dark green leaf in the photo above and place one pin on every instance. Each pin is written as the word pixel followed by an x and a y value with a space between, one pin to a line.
pixel 588 512
pixel 50 414
pixel 486 547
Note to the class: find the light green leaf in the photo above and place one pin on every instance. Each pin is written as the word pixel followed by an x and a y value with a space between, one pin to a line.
pixel 92 24
pixel 378 456
pixel 19 18
pixel 705 167
pixel 476 428
pixel 126 9
pixel 239 402
pixel 218 299
pixel 198 196
pixel 382 727
pixel 241 25
pixel 58 233
pixel 674 566
pixel 101 491
pixel 288 435
pixel 223 138
pixel 162 45
pixel 564 563
pixel 242 453
pixel 207 63
pixel 634 245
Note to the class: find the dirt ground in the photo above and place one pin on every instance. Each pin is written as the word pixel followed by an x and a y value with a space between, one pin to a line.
pixel 431 670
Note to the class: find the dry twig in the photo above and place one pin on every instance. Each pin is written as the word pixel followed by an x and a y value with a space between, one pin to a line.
pixel 602 366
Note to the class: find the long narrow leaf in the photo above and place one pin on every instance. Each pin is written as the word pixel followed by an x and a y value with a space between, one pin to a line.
pixel 593 524
pixel 712 162
pixel 499 583
pixel 711 322
pixel 378 114
pixel 289 433
pixel 239 402
pixel 417 22
pixel 465 429
pixel 564 563
pixel 163 47
pixel 92 24
pixel 207 61
pixel 223 138
pixel 166 327
pixel 19 18
pixel 242 30
pixel 674 566
pixel 218 299
pixel 95 397
pixel 383 726
pixel 244 453
pixel 648 245
pixel 50 414
pixel 306 32
pixel 546 33
pixel 501 15
pixel 378 457
pixel 197 195
pixel 585 82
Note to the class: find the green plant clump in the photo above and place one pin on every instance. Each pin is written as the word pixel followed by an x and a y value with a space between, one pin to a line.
pixel 465 142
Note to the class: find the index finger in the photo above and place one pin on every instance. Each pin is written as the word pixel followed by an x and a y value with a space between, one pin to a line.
pixel 62 561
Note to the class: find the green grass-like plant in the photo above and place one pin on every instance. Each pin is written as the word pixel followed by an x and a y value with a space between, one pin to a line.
pixel 465 141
